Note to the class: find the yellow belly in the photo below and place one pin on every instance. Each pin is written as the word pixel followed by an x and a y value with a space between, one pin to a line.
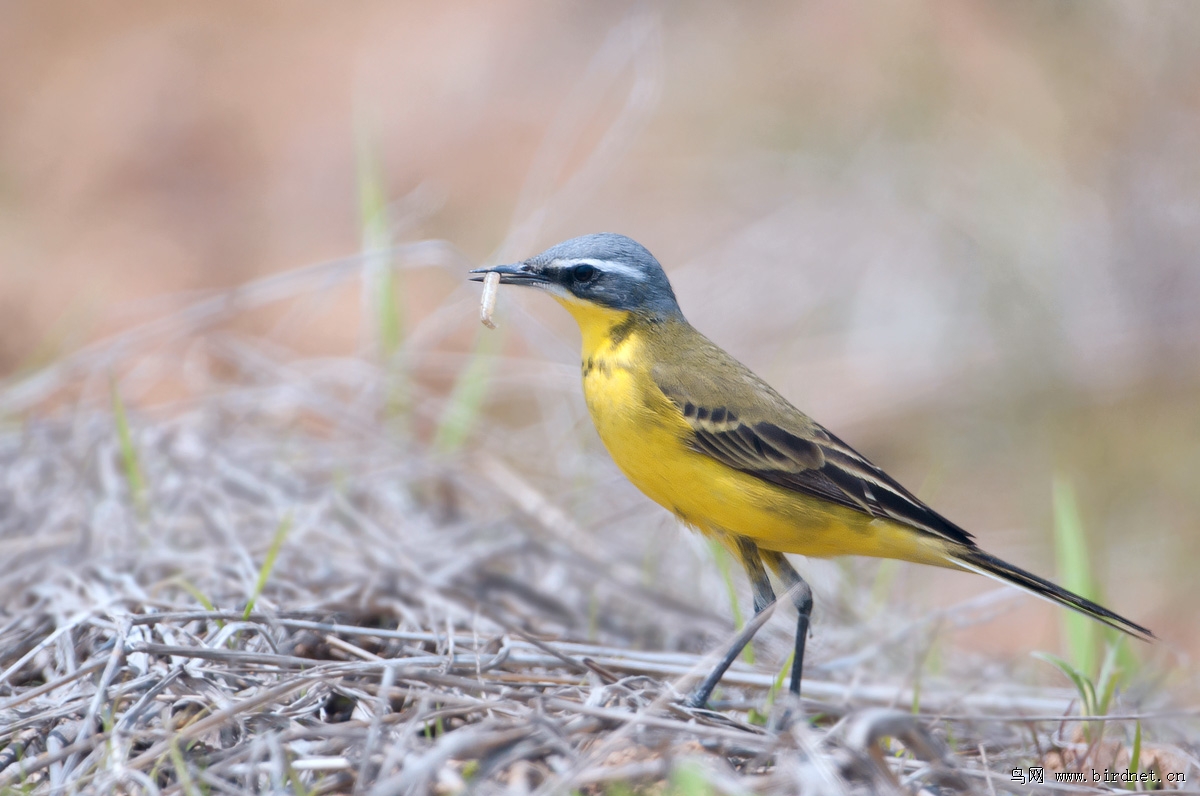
pixel 647 438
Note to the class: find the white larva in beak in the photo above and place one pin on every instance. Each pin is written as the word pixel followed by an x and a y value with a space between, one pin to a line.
pixel 487 300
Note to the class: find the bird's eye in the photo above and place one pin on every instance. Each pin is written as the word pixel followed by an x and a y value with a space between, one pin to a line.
pixel 585 272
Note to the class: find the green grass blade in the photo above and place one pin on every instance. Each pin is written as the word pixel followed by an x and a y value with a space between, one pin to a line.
pixel 198 595
pixel 465 403
pixel 723 559
pixel 689 779
pixel 1087 692
pixel 264 572
pixel 389 313
pixel 129 458
pixel 186 783
pixel 382 282
pixel 760 717
pixel 1109 677
pixel 1075 574
pixel 784 674
pixel 295 782
pixel 615 788
pixel 1135 754
pixel 376 237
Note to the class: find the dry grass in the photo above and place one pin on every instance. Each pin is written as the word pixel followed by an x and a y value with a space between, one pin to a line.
pixel 231 568
pixel 432 622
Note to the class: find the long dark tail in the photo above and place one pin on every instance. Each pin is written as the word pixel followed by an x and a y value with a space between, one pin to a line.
pixel 978 561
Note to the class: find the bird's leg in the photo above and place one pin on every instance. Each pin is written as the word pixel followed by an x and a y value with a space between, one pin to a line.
pixel 802 599
pixel 764 597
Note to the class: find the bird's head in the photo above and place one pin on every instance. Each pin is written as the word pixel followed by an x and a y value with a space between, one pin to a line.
pixel 604 270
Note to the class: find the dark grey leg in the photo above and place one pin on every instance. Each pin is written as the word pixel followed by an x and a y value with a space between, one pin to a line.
pixel 802 599
pixel 764 597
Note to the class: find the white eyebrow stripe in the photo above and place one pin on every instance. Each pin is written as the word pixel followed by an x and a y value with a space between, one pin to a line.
pixel 608 266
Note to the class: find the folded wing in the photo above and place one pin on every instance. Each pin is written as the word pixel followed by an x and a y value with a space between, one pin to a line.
pixel 805 458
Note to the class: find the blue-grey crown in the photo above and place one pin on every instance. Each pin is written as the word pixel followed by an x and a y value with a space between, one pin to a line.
pixel 602 246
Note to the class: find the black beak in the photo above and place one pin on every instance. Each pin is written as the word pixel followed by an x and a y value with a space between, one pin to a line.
pixel 513 274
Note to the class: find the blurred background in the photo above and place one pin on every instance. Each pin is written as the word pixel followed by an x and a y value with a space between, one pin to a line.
pixel 963 235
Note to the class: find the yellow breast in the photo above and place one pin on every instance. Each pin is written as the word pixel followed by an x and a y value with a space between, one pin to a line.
pixel 640 428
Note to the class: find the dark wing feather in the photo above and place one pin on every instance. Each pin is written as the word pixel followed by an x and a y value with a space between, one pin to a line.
pixel 813 461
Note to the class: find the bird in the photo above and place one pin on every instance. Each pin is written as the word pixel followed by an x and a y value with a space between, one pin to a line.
pixel 703 436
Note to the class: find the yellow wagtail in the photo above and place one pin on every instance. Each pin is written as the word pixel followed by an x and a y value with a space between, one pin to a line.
pixel 710 441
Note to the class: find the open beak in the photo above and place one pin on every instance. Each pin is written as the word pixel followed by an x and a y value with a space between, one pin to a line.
pixel 513 274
